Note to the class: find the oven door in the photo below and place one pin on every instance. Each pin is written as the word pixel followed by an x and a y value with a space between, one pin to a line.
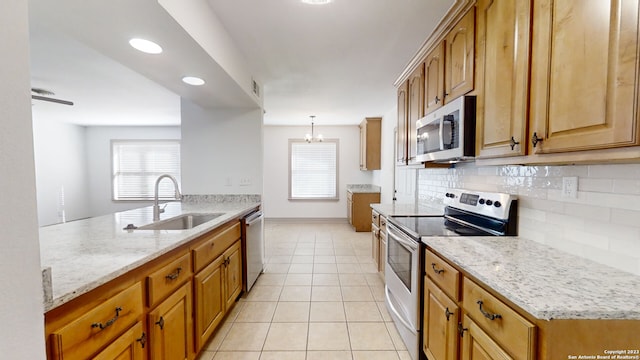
pixel 403 285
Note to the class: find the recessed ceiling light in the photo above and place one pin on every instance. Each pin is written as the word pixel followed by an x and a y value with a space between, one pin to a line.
pixel 192 80
pixel 316 2
pixel 145 46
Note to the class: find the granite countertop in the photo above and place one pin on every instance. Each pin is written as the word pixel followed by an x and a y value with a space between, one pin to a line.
pixel 407 210
pixel 545 282
pixel 363 188
pixel 85 254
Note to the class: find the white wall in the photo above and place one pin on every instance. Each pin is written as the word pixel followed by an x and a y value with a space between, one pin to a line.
pixel 220 148
pixel 61 171
pixel 384 176
pixel 276 173
pixel 21 310
pixel 601 224
pixel 98 148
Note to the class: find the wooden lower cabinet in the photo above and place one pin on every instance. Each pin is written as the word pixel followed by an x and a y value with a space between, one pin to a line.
pixel 477 345
pixel 441 318
pixel 233 273
pixel 129 346
pixel 171 327
pixel 359 209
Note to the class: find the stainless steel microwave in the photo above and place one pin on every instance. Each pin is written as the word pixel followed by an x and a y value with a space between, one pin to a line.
pixel 449 133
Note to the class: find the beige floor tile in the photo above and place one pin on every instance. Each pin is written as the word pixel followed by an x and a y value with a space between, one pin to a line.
pixel 271 280
pixel 298 280
pixel 302 259
pixel 329 355
pixel 237 355
pixel 287 336
pixel 349 268
pixel 369 268
pixel 283 355
pixel 257 311
pixel 324 251
pixel 378 292
pixel 362 311
pixel 345 259
pixel 356 293
pixel 328 336
pixel 375 355
pixel 218 336
pixel 326 293
pixel 279 259
pixel 306 245
pixel 264 293
pixel 344 251
pixel 276 268
pixel 404 355
pixel 353 280
pixel 245 337
pixel 296 293
pixel 325 269
pixel 374 280
pixel 330 311
pixel 206 355
pixel 301 269
pixel 235 310
pixel 326 280
pixel 324 259
pixel 292 312
pixel 303 251
pixel 386 317
pixel 395 336
pixel 370 336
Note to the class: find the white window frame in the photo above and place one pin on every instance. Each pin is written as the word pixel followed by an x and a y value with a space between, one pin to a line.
pixel 303 142
pixel 166 191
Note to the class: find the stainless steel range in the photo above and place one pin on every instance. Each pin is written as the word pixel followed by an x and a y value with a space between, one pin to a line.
pixel 466 213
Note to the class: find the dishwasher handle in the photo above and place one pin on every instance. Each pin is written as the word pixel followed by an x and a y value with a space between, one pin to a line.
pixel 253 218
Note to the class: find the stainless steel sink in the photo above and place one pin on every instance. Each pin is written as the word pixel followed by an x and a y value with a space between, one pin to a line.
pixel 181 222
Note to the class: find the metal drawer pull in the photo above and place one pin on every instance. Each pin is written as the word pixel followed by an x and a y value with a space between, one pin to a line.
pixel 448 313
pixel 535 139
pixel 174 275
pixel 461 330
pixel 108 323
pixel 437 271
pixel 486 314
pixel 160 323
pixel 142 340
pixel 513 143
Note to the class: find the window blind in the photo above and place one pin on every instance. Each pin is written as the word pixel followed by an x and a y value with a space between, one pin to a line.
pixel 313 170
pixel 138 163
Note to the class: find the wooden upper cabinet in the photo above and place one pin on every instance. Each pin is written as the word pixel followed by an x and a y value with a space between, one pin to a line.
pixel 584 75
pixel 434 79
pixel 370 141
pixel 415 109
pixel 460 57
pixel 503 28
pixel 401 131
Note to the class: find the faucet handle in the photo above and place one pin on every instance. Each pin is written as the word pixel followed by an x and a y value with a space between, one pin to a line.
pixel 161 209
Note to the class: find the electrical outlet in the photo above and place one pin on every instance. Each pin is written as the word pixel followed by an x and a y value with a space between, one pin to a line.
pixel 227 181
pixel 570 187
pixel 245 181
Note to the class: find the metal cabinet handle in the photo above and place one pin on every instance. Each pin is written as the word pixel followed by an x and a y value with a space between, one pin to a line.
pixel 461 329
pixel 109 322
pixel 447 313
pixel 437 271
pixel 174 275
pixel 142 340
pixel 160 323
pixel 486 314
pixel 513 143
pixel 535 139
pixel 437 99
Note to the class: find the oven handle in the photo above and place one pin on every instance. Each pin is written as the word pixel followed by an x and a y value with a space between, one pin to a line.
pixel 393 309
pixel 468 224
pixel 409 245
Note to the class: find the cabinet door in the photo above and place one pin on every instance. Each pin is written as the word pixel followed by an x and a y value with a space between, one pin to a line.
pixel 233 273
pixel 584 75
pixel 477 345
pixel 383 252
pixel 128 346
pixel 441 317
pixel 502 77
pixel 170 327
pixel 434 79
pixel 209 300
pixel 460 58
pixel 416 109
pixel 401 131
pixel 375 243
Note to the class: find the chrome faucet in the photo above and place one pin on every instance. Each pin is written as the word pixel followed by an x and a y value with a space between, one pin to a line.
pixel 156 208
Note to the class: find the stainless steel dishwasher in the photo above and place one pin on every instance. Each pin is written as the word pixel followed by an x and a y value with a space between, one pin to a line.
pixel 253 228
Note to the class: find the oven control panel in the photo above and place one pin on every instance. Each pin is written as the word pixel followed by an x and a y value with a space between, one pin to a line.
pixel 496 205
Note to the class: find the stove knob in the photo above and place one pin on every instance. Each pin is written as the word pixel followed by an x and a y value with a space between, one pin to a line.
pixel 481 201
pixel 489 202
pixel 449 195
pixel 497 204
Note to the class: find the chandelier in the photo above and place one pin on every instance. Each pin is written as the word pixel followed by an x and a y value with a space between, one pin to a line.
pixel 310 137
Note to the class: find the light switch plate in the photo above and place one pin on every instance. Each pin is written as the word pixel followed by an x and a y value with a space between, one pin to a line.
pixel 570 187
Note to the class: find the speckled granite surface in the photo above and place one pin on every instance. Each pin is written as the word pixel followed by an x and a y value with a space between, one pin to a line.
pixel 406 209
pixel 85 254
pixel 363 188
pixel 545 282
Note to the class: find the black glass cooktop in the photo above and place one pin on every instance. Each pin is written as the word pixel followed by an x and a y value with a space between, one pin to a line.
pixel 418 226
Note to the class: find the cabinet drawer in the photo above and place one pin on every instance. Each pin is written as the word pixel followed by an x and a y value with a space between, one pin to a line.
pixel 167 279
pixel 513 332
pixel 375 218
pixel 99 326
pixel 215 245
pixel 443 274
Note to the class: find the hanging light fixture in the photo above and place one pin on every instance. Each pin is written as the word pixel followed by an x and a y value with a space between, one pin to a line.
pixel 311 137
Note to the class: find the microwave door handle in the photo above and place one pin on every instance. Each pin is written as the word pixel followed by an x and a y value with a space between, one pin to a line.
pixel 448 118
pixel 441 133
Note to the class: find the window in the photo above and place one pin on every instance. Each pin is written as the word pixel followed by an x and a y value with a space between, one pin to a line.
pixel 138 163
pixel 313 170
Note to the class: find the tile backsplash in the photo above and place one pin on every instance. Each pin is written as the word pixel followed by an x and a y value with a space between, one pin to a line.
pixel 601 224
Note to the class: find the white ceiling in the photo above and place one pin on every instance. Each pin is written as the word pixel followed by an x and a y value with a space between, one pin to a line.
pixel 337 61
